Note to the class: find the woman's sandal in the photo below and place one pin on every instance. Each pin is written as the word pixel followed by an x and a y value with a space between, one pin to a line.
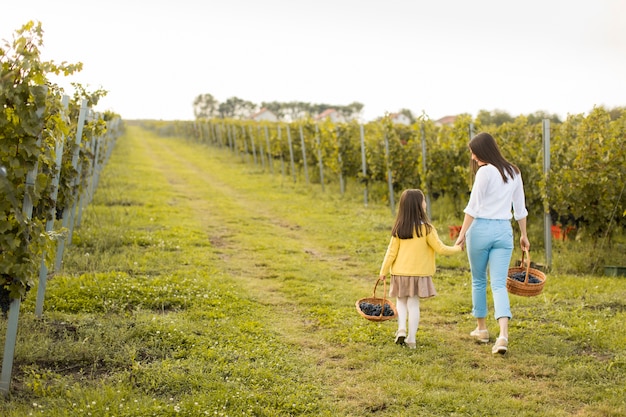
pixel 480 335
pixel 501 346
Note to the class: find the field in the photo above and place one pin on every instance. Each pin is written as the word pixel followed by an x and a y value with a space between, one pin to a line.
pixel 199 285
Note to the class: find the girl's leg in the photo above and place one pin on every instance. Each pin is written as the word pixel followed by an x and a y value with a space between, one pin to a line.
pixel 401 306
pixel 413 305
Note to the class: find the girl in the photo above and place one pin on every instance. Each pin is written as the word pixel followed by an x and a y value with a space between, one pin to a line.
pixel 487 231
pixel 410 259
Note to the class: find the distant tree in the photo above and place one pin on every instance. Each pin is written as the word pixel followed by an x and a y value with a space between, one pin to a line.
pixel 275 107
pixel 315 109
pixel 495 117
pixel 616 112
pixel 205 106
pixel 538 116
pixel 297 109
pixel 352 111
pixel 236 108
pixel 408 113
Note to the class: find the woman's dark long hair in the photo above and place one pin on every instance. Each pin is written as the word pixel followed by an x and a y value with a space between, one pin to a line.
pixel 484 146
pixel 411 215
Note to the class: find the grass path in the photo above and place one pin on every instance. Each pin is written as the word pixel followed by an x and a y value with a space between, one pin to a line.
pixel 265 246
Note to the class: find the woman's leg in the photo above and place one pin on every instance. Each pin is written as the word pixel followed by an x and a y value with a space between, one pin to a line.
pixel 499 261
pixel 478 246
pixel 413 305
pixel 498 271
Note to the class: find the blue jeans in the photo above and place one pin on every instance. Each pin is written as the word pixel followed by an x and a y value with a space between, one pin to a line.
pixel 490 246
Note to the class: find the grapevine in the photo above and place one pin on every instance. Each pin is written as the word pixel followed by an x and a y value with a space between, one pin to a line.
pixel 33 121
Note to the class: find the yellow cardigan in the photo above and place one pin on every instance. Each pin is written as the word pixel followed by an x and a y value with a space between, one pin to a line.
pixel 416 256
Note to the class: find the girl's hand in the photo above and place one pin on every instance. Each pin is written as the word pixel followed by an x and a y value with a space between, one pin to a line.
pixel 382 277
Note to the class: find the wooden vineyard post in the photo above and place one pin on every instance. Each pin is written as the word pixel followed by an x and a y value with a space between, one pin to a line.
pixel 392 203
pixel 85 195
pixel 253 144
pixel 342 180
pixel 261 153
pixel 319 155
pixel 424 168
pixel 293 168
pixel 269 150
pixel 547 221
pixel 363 164
pixel 43 269
pixel 67 211
pixel 14 308
pixel 306 170
pixel 282 159
pixel 79 168
pixel 241 150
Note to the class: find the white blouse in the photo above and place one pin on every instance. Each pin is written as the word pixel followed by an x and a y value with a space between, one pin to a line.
pixel 492 198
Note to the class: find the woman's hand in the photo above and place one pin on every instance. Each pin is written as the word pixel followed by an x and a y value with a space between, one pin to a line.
pixel 524 243
pixel 467 221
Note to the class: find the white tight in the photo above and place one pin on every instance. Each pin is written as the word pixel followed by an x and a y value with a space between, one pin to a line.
pixel 408 306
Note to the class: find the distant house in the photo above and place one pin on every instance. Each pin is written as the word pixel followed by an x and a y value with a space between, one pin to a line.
pixel 264 114
pixel 331 114
pixel 400 118
pixel 445 121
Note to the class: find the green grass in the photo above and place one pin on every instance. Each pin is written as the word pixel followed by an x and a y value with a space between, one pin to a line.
pixel 198 284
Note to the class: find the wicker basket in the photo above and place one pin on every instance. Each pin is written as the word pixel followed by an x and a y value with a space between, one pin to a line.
pixel 526 288
pixel 377 301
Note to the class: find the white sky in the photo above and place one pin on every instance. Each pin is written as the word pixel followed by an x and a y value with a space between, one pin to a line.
pixel 441 57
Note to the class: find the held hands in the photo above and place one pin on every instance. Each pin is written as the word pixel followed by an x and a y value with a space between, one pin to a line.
pixel 460 241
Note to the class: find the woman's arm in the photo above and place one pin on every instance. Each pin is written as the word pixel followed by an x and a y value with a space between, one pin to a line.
pixel 523 240
pixel 467 221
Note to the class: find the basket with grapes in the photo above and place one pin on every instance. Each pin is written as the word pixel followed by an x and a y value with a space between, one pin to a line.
pixel 375 308
pixel 525 281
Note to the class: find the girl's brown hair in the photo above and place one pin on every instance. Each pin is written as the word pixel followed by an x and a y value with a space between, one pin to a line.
pixel 411 215
pixel 484 146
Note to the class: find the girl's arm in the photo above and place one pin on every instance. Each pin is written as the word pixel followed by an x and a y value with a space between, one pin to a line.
pixel 440 247
pixel 390 256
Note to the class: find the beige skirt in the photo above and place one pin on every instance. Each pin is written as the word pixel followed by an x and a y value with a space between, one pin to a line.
pixel 402 286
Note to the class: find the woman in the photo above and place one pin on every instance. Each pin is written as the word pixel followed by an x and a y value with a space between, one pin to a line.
pixel 488 234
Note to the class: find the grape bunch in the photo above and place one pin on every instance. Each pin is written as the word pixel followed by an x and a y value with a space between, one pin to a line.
pixel 521 277
pixel 370 309
pixel 5 295
pixel 5 301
